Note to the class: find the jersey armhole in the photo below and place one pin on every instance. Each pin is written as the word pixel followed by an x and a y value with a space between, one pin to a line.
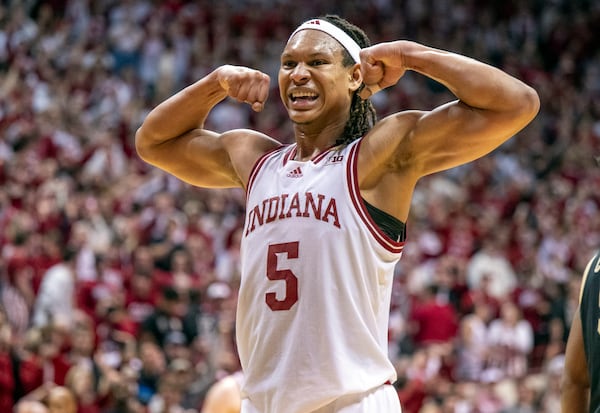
pixel 388 224
pixel 391 244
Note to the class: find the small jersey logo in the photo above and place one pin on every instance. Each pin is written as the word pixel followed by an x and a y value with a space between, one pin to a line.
pixel 333 159
pixel 295 173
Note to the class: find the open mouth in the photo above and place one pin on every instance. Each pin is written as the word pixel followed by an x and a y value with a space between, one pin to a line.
pixel 303 96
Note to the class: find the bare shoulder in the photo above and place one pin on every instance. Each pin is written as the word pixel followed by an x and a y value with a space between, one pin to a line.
pixel 387 147
pixel 245 147
pixel 391 136
pixel 387 161
pixel 249 139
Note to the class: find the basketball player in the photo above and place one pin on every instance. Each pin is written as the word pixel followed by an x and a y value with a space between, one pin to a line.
pixel 581 379
pixel 325 216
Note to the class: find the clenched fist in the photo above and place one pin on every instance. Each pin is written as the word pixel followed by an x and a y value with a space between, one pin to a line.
pixel 382 65
pixel 245 84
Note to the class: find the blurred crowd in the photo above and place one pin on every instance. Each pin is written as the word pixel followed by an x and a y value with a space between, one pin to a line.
pixel 118 283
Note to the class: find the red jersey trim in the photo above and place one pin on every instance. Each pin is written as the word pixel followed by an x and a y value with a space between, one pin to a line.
pixel 257 165
pixel 318 158
pixel 323 154
pixel 290 154
pixel 351 171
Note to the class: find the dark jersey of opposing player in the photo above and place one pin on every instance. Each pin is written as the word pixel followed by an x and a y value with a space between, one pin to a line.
pixel 590 323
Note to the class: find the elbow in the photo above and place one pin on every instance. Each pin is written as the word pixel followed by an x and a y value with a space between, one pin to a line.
pixel 529 103
pixel 143 146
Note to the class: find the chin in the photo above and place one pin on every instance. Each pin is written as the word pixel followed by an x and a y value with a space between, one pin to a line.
pixel 300 119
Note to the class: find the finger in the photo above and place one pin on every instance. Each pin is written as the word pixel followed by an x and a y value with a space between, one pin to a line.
pixel 365 93
pixel 372 72
pixel 233 89
pixel 369 91
pixel 244 92
pixel 258 92
pixel 263 90
pixel 258 89
pixel 374 88
pixel 258 104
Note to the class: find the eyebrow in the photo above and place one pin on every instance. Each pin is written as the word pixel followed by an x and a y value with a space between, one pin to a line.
pixel 311 55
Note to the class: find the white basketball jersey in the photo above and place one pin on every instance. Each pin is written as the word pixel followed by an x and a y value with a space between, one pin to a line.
pixel 313 308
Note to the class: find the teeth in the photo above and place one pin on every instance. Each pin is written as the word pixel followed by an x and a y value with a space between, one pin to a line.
pixel 296 95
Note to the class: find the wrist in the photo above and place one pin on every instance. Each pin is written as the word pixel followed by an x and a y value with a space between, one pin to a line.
pixel 414 55
pixel 209 89
pixel 219 77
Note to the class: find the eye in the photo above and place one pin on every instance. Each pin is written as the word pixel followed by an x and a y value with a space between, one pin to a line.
pixel 288 64
pixel 318 62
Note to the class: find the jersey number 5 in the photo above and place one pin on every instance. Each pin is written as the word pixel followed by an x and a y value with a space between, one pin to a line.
pixel 273 273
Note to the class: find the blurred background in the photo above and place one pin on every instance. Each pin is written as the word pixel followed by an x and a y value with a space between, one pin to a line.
pixel 118 282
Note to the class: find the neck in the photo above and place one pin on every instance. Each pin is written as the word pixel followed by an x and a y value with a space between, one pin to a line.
pixel 311 143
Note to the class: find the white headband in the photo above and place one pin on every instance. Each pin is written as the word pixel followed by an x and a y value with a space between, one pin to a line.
pixel 338 34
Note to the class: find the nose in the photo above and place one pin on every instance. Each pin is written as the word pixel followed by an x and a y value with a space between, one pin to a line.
pixel 300 74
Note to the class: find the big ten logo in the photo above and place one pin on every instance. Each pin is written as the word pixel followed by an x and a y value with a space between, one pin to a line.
pixel 335 159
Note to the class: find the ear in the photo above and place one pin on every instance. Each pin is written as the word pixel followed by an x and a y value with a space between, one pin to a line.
pixel 355 77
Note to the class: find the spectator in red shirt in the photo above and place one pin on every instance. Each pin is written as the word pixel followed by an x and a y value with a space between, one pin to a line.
pixel 31 370
pixel 432 320
pixel 141 297
pixel 7 380
pixel 55 364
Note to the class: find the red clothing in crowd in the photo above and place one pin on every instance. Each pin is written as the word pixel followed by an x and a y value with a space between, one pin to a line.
pixel 435 322
pixel 7 382
pixel 31 373
pixel 412 396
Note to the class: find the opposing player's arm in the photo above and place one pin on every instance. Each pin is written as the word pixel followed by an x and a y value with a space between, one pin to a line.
pixel 173 137
pixel 575 388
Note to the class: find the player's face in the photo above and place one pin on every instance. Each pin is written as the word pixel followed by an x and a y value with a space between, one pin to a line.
pixel 313 83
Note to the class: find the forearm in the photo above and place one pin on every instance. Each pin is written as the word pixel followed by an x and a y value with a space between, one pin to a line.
pixel 476 84
pixel 184 111
pixel 575 382
pixel 574 398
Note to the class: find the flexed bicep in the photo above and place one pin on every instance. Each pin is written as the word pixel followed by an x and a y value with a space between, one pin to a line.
pixel 490 107
pixel 197 157
pixel 211 160
pixel 455 133
pixel 173 138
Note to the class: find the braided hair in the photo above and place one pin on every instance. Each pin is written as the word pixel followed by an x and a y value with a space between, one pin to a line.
pixel 362 113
